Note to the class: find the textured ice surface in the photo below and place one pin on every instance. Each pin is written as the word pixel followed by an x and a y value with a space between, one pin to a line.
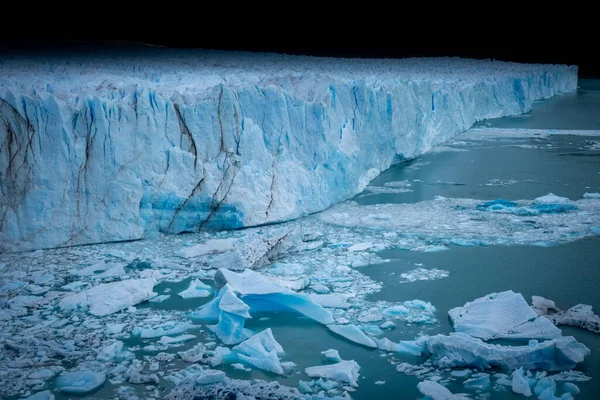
pixel 261 293
pixel 412 347
pixel 504 315
pixel 423 274
pixel 580 315
pixel 261 351
pixel 331 355
pixel 461 350
pixel 80 382
pixel 354 334
pixel 519 383
pixel 344 371
pixel 435 391
pixel 108 298
pixel 174 141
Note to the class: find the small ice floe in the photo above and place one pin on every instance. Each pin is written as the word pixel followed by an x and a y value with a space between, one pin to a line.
pixel 423 274
pixel 504 315
pixel 343 371
pixel 331 355
pixel 196 289
pixel 108 298
pixel 580 315
pixel 80 382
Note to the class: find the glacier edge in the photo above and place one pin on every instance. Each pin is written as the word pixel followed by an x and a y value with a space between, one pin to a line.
pixel 125 147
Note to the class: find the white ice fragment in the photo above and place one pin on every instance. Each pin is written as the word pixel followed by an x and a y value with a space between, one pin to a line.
pixel 195 290
pixel 551 198
pixel 423 274
pixel 177 339
pixel 114 352
pixel 344 371
pixel 195 354
pixel 210 376
pixel 44 395
pixel 412 347
pixel 210 246
pixel 504 315
pixel 331 355
pixel 591 195
pixel 166 329
pixel 319 288
pixel 519 383
pixel 435 391
pixel 333 300
pixel 387 325
pixel 79 382
pixel 580 315
pixel 108 298
pixel 354 334
pixel 159 299
pixel 261 351
pixel 360 246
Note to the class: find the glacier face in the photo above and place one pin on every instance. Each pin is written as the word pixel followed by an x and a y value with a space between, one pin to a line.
pixel 124 146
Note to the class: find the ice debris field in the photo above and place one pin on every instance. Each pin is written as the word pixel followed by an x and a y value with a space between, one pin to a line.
pixel 287 310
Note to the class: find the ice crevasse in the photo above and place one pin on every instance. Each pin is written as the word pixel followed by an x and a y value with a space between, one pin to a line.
pixel 123 146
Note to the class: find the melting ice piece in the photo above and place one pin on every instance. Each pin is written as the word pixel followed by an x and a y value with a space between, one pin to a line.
pixel 354 334
pixel 108 298
pixel 461 350
pixel 45 395
pixel 343 371
pixel 261 293
pixel 294 284
pixel 114 352
pixel 423 274
pixel 334 300
pixel 591 195
pixel 551 198
pixel 195 290
pixel 504 315
pixel 435 391
pixel 209 376
pixel 159 299
pixel 412 347
pixel 210 246
pixel 80 382
pixel 165 329
pixel 412 312
pixel 519 383
pixel 580 315
pixel 331 355
pixel 261 351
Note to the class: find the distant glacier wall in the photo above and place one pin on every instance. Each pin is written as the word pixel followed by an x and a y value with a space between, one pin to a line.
pixel 126 146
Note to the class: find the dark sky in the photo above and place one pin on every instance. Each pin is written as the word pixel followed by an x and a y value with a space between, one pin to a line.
pixel 550 43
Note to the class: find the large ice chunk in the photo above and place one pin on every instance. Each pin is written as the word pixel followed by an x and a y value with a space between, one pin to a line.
pixel 261 351
pixel 108 298
pixel 343 371
pixel 354 334
pixel 461 350
pixel 261 293
pixel 504 315
pixel 580 315
pixel 80 382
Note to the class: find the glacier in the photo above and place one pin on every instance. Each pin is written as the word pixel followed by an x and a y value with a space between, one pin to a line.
pixel 123 146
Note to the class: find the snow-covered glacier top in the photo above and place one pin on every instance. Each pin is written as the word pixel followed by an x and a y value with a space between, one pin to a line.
pixel 124 145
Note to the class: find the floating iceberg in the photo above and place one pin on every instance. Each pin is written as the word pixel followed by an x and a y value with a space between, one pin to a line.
pixel 580 315
pixel 519 383
pixel 108 298
pixel 461 350
pixel 210 140
pixel 165 329
pixel 412 347
pixel 343 371
pixel 331 355
pixel 45 395
pixel 196 289
pixel 261 351
pixel 423 274
pixel 354 334
pixel 80 382
pixel 504 315
pixel 114 352
pixel 262 294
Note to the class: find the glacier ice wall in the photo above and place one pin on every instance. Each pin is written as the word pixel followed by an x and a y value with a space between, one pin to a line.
pixel 124 146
